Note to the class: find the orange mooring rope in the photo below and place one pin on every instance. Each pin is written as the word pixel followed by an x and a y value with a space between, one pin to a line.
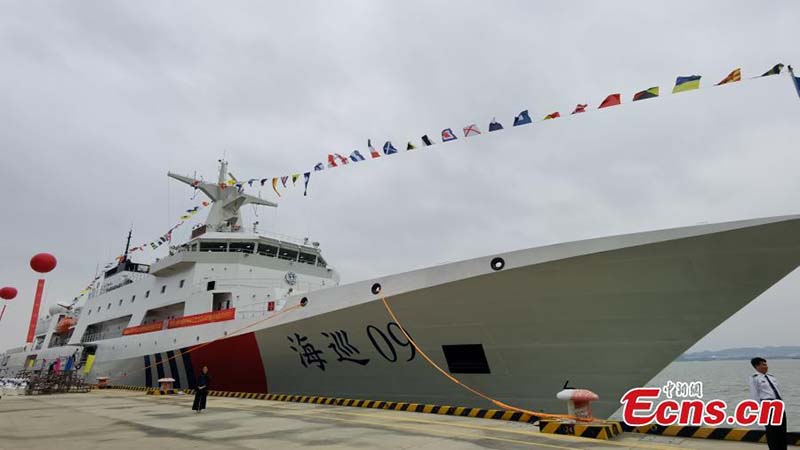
pixel 539 415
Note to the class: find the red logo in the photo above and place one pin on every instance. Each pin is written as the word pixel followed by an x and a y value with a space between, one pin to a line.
pixel 641 407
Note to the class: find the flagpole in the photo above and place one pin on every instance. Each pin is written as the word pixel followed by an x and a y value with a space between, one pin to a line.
pixel 795 81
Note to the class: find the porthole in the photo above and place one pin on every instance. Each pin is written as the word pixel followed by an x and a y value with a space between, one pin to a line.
pixel 197 339
pixel 304 301
pixel 498 263
pixel 376 288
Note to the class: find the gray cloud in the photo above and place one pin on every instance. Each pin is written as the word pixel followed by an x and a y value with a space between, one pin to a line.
pixel 101 98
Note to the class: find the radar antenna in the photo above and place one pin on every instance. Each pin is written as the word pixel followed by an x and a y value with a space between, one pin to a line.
pixel 226 201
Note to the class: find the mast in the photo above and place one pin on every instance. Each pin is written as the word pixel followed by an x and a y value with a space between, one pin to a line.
pixel 226 200
pixel 127 246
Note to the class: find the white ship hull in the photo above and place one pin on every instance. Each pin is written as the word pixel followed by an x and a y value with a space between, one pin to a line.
pixel 606 314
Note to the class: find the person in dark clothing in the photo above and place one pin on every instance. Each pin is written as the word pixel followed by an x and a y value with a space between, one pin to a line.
pixel 202 390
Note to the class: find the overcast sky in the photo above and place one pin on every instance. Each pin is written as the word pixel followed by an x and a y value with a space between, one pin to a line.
pixel 100 98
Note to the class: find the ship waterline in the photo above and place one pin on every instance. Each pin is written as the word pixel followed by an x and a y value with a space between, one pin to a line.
pixel 606 314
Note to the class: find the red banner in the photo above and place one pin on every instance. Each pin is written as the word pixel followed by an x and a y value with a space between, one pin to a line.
pixel 199 319
pixel 37 301
pixel 150 327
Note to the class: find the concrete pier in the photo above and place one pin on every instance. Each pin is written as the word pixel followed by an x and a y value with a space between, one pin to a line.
pixel 132 420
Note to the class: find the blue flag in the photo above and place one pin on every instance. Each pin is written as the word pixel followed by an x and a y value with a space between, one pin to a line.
pixel 796 80
pixel 356 156
pixel 494 125
pixel 318 167
pixel 522 119
pixel 306 176
pixel 448 135
pixel 388 148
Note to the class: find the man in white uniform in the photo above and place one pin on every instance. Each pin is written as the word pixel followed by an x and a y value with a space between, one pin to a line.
pixel 764 386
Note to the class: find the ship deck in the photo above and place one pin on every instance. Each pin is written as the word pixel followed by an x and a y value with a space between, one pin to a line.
pixel 132 420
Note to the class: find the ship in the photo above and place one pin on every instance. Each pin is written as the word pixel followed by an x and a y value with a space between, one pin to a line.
pixel 268 314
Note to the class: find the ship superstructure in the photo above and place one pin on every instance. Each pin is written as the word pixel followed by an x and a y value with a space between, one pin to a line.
pixel 267 313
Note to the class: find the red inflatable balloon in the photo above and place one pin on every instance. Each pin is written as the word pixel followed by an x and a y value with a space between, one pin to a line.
pixel 43 262
pixel 8 293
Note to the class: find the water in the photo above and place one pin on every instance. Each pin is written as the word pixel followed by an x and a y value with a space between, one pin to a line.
pixel 727 380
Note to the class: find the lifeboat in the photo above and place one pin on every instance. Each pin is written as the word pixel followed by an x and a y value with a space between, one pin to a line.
pixel 65 324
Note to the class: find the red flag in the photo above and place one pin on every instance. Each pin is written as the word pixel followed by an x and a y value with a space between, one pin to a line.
pixel 332 161
pixel 374 153
pixel 611 100
pixel 581 107
pixel 342 159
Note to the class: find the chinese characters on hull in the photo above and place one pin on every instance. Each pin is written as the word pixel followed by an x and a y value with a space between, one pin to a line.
pixel 308 354
pixel 385 343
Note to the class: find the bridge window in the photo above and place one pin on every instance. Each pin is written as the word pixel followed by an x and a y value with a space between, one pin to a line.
pixel 288 254
pixel 267 250
pixel 307 258
pixel 321 262
pixel 242 247
pixel 213 246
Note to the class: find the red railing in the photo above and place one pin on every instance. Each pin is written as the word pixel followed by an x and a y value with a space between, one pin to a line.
pixel 199 319
pixel 148 328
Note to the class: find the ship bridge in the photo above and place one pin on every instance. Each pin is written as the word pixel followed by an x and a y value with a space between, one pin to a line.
pixel 270 252
pixel 222 240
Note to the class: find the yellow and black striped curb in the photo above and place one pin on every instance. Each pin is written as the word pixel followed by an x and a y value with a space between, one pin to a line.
pixel 718 433
pixel 599 430
pixel 130 388
pixel 461 411
pixel 162 391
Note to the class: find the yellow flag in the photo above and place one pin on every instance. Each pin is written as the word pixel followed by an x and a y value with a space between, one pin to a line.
pixel 275 186
pixel 683 84
pixel 89 363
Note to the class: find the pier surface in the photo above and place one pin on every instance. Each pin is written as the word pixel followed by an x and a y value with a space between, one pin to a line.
pixel 132 420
